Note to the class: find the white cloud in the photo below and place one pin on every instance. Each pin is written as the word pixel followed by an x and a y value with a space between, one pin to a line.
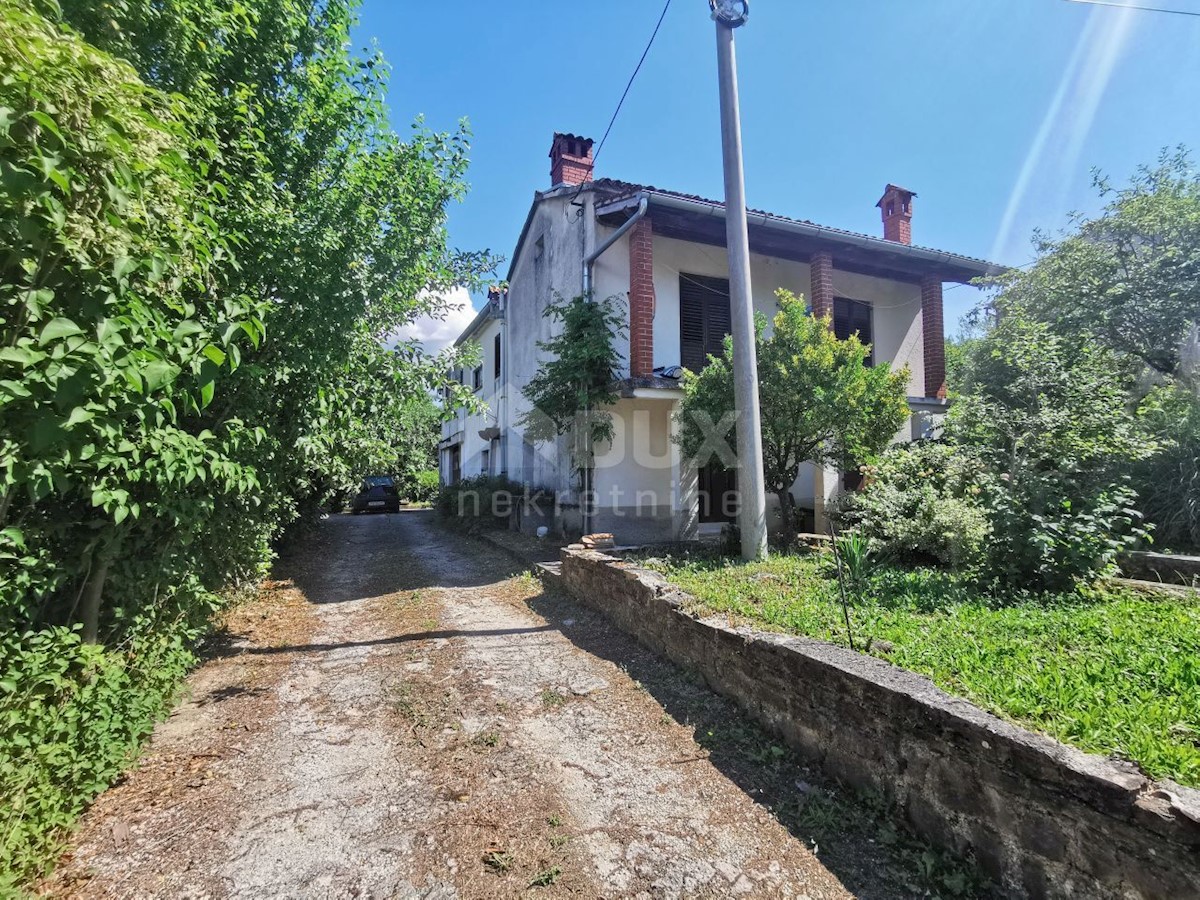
pixel 436 334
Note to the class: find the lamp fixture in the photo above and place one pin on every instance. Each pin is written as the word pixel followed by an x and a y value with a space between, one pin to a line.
pixel 730 13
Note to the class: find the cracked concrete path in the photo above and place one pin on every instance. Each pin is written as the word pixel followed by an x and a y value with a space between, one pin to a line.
pixel 405 716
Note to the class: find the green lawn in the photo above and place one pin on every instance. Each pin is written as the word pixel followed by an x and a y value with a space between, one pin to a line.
pixel 1110 670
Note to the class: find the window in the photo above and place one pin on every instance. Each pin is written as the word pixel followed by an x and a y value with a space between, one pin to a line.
pixel 477 378
pixel 854 317
pixel 496 359
pixel 485 462
pixel 704 319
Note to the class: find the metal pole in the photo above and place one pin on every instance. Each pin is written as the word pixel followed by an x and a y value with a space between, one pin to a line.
pixel 752 516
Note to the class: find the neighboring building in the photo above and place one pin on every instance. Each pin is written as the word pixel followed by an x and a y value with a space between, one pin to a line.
pixel 670 264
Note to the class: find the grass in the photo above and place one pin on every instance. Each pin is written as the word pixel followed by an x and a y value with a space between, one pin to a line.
pixel 1108 669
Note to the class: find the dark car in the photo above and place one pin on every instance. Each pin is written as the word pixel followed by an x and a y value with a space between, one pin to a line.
pixel 376 494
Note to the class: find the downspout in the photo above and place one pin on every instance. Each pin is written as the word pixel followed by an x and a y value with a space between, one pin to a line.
pixel 504 414
pixel 588 263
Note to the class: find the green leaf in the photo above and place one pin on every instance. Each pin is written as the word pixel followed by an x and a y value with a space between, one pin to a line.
pixel 16 389
pixel 78 415
pixel 215 353
pixel 57 329
pixel 187 328
pixel 48 123
pixel 23 356
pixel 122 266
pixel 159 373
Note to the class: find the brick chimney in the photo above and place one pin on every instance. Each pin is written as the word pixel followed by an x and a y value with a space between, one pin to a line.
pixel 570 160
pixel 896 206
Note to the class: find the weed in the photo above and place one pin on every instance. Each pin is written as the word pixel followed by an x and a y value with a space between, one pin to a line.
pixel 487 739
pixel 405 702
pixel 528 583
pixel 546 877
pixel 558 841
pixel 552 698
pixel 554 821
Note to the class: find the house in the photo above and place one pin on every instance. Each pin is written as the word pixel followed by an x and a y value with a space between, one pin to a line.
pixel 663 252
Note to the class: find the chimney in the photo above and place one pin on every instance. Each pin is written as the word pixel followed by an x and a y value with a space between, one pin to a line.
pixel 896 206
pixel 570 160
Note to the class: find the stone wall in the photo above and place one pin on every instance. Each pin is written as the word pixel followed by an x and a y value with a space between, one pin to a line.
pixel 1043 819
pixel 1165 567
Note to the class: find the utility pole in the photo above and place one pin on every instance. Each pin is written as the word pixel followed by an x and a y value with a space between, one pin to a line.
pixel 752 513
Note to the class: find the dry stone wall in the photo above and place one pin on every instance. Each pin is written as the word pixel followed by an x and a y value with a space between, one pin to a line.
pixel 1043 819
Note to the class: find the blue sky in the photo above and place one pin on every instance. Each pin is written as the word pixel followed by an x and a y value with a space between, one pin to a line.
pixel 993 111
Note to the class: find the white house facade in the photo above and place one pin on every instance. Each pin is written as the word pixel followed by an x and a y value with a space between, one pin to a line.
pixel 663 254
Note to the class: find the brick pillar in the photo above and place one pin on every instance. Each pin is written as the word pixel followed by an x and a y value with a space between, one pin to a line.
pixel 641 298
pixel 821 291
pixel 933 335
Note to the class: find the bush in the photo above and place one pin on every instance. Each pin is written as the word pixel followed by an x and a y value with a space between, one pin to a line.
pixel 424 486
pixel 1168 483
pixel 488 499
pixel 921 502
pixel 1046 416
pixel 72 716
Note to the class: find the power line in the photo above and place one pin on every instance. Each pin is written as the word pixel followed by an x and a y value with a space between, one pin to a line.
pixel 632 78
pixel 1175 12
pixel 621 102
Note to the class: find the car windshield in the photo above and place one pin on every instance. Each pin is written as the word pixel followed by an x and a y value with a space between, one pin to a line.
pixel 373 481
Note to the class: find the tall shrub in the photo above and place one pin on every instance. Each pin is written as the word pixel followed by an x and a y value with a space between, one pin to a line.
pixel 1046 415
pixel 210 233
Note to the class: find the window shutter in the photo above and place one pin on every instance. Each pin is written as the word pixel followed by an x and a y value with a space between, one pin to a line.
pixel 704 319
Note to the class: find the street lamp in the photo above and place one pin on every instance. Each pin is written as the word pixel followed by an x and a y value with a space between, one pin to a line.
pixel 730 13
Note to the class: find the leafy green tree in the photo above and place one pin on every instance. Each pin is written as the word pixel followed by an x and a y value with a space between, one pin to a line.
pixel 210 235
pixel 1168 483
pixel 1128 279
pixel 342 237
pixel 1046 415
pixel 821 402
pixel 572 388
pixel 112 339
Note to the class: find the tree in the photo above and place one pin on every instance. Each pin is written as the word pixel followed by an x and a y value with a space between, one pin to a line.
pixel 1046 415
pixel 340 241
pixel 1128 279
pixel 573 387
pixel 821 402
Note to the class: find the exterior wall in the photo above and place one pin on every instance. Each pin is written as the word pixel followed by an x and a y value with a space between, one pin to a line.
pixel 896 305
pixel 463 428
pixel 549 266
pixel 637 474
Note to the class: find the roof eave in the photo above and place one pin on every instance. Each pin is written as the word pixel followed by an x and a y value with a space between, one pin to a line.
pixel 960 268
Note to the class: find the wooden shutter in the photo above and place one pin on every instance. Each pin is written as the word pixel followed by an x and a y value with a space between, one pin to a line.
pixel 704 319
